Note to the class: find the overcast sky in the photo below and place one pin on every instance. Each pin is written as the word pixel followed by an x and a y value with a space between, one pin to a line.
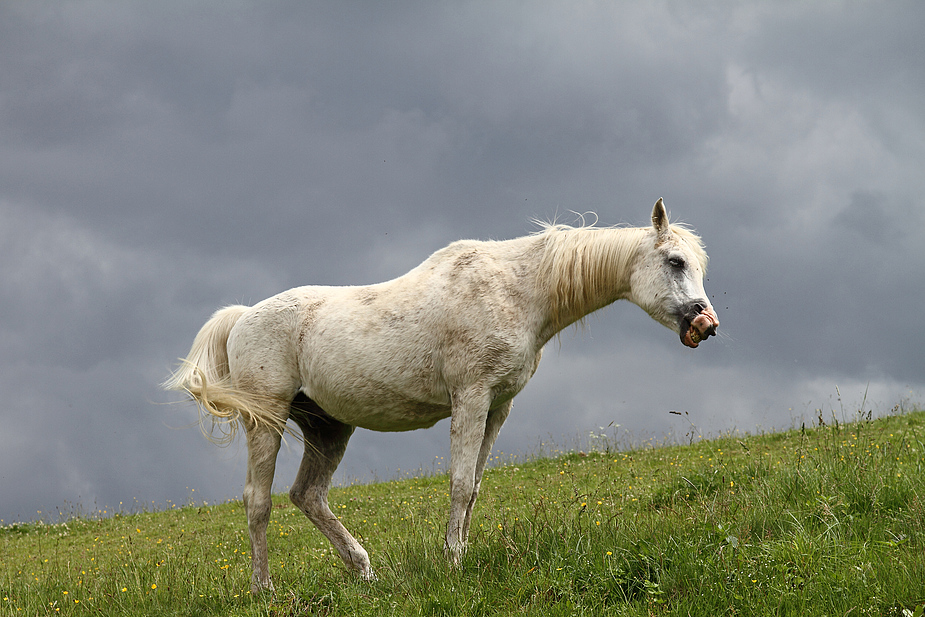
pixel 159 160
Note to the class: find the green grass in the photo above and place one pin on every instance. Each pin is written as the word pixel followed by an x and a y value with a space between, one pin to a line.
pixel 822 521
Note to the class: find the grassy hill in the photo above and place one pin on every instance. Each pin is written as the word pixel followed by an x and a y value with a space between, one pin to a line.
pixel 828 520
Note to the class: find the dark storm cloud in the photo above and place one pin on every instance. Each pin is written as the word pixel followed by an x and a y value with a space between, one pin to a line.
pixel 160 160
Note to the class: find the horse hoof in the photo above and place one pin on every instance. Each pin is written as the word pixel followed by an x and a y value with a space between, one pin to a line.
pixel 259 587
pixel 369 575
pixel 454 554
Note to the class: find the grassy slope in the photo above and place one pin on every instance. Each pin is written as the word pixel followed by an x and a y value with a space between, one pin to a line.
pixel 826 521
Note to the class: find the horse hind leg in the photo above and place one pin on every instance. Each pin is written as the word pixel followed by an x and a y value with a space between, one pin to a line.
pixel 262 447
pixel 325 442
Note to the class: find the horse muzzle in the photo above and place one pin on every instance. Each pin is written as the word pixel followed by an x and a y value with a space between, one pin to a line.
pixel 698 324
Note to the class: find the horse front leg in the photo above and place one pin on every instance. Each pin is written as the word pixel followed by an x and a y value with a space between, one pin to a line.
pixel 496 418
pixel 467 434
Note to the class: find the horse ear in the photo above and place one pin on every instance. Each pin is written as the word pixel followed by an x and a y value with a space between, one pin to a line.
pixel 660 220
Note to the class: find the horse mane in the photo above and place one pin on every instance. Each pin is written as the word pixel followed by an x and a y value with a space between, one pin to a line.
pixel 586 264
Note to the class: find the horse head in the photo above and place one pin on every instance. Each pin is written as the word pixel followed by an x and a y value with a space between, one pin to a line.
pixel 667 280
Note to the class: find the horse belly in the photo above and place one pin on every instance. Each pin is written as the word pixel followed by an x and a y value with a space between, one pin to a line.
pixel 385 411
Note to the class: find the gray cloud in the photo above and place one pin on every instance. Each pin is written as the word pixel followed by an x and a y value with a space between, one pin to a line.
pixel 160 160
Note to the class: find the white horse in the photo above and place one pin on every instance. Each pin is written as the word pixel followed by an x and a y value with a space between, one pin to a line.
pixel 458 336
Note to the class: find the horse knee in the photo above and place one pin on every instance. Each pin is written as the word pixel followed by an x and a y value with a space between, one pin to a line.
pixel 257 508
pixel 298 498
pixel 312 501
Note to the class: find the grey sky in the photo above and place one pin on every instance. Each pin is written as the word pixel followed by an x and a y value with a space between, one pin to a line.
pixel 160 160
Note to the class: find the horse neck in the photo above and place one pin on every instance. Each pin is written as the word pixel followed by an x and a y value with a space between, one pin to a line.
pixel 585 269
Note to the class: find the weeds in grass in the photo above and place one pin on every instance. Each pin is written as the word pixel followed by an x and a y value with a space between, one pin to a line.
pixel 824 520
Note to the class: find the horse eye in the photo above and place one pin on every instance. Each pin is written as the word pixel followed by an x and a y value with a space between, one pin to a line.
pixel 676 262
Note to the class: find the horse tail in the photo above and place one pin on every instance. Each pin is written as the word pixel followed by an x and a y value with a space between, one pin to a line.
pixel 205 376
